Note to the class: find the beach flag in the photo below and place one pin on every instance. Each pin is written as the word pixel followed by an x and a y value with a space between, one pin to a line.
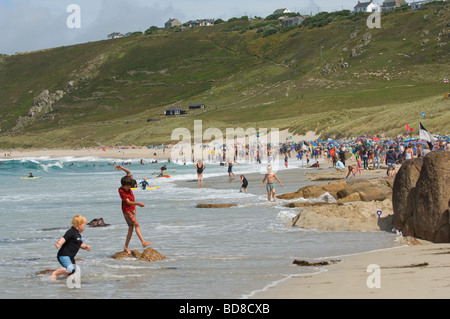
pixel 424 135
pixel 446 80
pixel 408 128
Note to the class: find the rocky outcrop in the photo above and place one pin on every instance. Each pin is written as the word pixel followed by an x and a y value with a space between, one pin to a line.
pixel 314 191
pixel 421 198
pixel 42 104
pixel 405 179
pixel 149 254
pixel 355 216
pixel 366 190
pixel 357 205
pixel 347 191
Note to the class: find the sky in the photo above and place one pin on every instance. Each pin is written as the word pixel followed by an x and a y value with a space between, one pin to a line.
pixel 29 25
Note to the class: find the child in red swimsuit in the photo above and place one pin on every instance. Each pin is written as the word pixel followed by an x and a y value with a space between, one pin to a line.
pixel 129 209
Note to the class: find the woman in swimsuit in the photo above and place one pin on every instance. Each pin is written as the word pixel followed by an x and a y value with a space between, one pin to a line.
pixel 200 168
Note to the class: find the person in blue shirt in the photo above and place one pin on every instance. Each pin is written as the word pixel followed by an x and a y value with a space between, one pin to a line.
pixel 69 245
pixel 144 183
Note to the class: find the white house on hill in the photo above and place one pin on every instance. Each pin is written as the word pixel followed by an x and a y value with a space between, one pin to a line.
pixel 366 7
pixel 200 23
pixel 115 35
pixel 282 11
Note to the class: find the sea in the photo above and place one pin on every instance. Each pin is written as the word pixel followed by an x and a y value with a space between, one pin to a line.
pixel 216 253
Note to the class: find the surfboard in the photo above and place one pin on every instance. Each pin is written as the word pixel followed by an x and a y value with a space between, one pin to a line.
pixel 163 176
pixel 35 177
pixel 167 171
pixel 155 187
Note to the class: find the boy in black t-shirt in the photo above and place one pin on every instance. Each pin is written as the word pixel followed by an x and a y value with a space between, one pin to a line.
pixel 69 245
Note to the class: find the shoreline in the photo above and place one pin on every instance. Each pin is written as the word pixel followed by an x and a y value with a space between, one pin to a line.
pixel 419 271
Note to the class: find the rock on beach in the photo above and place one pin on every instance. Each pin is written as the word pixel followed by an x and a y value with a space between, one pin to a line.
pixel 149 254
pixel 215 205
pixel 97 222
pixel 359 205
pixel 421 198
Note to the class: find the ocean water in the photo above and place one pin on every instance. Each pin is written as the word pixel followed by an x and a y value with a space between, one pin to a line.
pixel 211 253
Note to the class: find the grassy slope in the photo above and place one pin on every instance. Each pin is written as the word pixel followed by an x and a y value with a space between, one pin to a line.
pixel 245 79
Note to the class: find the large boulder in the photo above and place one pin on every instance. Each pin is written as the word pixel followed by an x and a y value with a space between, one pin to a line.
pixel 314 191
pixel 422 209
pixel 368 189
pixel 356 216
pixel 405 179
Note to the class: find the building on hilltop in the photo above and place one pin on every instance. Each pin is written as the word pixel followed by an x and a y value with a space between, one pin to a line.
pixel 389 5
pixel 282 11
pixel 172 23
pixel 174 110
pixel 200 23
pixel 115 35
pixel 288 21
pixel 417 4
pixel 366 7
pixel 197 106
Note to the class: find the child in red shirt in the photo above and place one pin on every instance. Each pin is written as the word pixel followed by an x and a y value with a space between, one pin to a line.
pixel 129 208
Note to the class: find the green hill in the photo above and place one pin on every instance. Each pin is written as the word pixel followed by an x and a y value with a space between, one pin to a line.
pixel 339 79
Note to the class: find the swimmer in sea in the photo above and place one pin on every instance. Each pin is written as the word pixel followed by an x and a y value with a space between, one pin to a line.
pixel 270 177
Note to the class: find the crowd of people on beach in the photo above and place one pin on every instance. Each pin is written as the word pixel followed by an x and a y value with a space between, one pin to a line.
pixel 368 152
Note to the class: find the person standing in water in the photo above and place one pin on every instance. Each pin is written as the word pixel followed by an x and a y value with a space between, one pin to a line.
pixel 244 184
pixel 230 167
pixel 270 177
pixel 200 168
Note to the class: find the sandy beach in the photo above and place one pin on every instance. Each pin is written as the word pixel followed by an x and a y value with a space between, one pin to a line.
pixel 116 153
pixel 410 272
pixel 127 152
pixel 417 269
